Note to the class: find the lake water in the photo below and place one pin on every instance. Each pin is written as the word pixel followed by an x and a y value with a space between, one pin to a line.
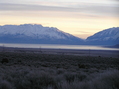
pixel 52 46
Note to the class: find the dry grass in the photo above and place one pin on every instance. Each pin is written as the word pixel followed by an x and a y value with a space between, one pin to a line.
pixel 48 71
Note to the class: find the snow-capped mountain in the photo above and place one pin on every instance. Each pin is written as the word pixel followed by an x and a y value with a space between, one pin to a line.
pixel 28 33
pixel 106 37
pixel 37 34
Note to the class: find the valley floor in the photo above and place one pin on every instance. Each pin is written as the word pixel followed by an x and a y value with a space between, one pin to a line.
pixel 58 69
pixel 92 53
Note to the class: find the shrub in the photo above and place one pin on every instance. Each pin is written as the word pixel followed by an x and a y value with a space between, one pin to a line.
pixel 4 60
pixel 5 85
pixel 81 66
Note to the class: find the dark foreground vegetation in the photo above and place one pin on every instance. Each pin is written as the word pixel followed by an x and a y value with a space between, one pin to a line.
pixel 49 71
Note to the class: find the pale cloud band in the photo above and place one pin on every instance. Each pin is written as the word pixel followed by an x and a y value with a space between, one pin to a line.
pixel 93 9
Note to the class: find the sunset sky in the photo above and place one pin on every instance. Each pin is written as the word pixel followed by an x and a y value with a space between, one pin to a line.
pixel 81 18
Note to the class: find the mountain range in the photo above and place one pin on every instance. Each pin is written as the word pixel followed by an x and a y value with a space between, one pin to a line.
pixel 37 34
pixel 106 37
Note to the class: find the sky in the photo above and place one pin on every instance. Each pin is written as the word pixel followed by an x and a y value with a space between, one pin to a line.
pixel 81 18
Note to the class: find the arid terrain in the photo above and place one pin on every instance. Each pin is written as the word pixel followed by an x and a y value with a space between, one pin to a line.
pixel 58 69
pixel 94 53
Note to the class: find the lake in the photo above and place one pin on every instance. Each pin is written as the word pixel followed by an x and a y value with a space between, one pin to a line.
pixel 56 46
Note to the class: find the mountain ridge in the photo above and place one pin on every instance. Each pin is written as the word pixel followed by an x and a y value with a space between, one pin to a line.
pixel 105 37
pixel 29 33
pixel 38 34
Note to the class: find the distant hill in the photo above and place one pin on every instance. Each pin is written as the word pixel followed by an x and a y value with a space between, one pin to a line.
pixel 106 37
pixel 36 34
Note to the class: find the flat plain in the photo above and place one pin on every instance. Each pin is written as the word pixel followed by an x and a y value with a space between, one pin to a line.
pixel 58 69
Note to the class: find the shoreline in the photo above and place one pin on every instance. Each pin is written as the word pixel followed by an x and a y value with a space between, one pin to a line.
pixel 76 52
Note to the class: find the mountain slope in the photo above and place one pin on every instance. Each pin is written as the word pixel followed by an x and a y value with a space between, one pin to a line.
pixel 106 37
pixel 28 33
pixel 37 34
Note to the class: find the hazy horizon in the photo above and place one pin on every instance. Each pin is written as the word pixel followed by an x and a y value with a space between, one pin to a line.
pixel 79 18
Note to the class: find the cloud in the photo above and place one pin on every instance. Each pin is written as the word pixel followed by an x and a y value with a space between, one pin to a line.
pixel 23 7
pixel 91 8
pixel 82 9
